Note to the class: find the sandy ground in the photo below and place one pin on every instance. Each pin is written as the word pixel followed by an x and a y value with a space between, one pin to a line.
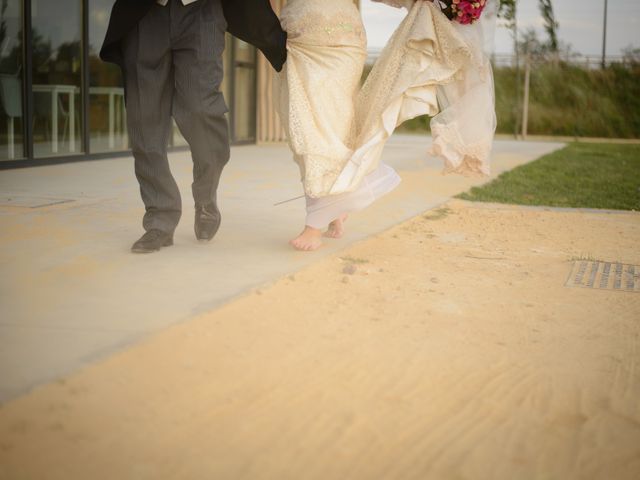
pixel 448 347
pixel 61 261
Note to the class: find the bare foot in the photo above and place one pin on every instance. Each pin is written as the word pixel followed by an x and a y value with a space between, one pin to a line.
pixel 336 228
pixel 308 240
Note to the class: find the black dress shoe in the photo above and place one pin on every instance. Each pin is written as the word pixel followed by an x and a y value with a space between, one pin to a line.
pixel 207 222
pixel 152 241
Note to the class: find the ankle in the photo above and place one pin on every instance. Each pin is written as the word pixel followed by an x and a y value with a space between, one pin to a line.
pixel 312 230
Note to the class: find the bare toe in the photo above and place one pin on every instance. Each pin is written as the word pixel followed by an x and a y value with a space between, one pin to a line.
pixel 336 228
pixel 308 240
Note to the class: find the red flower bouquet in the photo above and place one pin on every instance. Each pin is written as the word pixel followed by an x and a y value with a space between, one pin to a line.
pixel 462 11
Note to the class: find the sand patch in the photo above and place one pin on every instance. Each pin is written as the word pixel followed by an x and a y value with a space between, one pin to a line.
pixel 447 347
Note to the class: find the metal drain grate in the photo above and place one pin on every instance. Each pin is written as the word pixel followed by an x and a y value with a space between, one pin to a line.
pixel 605 276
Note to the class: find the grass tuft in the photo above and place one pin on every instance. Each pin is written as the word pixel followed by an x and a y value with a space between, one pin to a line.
pixel 584 258
pixel 437 214
pixel 354 261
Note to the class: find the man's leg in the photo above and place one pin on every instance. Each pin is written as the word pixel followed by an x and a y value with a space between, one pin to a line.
pixel 149 83
pixel 199 107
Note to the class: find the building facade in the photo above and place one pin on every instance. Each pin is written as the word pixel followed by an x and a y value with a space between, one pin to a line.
pixel 59 102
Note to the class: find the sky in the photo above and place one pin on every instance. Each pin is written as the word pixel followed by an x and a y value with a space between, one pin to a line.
pixel 580 24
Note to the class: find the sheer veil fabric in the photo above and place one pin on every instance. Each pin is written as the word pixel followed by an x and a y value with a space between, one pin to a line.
pixel 337 130
pixel 464 129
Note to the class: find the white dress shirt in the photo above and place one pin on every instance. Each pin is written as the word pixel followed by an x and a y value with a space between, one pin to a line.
pixel 184 2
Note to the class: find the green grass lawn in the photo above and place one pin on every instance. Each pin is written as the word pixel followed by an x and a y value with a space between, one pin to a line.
pixel 583 175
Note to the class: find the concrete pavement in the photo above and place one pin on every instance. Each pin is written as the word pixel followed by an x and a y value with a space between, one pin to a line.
pixel 71 293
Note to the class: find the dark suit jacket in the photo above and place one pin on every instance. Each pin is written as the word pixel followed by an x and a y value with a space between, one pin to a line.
pixel 253 21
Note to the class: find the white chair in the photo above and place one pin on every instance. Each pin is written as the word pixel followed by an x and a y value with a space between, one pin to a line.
pixel 11 99
pixel 64 112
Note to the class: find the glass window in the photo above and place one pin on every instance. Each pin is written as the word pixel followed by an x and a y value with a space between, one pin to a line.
pixel 107 117
pixel 11 78
pixel 225 88
pixel 245 53
pixel 244 98
pixel 57 76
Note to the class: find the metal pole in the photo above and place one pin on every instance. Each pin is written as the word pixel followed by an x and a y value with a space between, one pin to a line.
pixel 516 123
pixel 604 36
pixel 525 105
pixel 232 93
pixel 85 84
pixel 27 90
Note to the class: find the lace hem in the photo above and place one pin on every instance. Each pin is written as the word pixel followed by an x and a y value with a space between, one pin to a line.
pixel 460 157
pixel 424 52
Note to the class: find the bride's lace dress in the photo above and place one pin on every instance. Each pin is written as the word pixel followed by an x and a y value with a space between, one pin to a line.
pixel 337 130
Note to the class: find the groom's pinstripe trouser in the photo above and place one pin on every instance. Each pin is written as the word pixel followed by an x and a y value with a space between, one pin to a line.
pixel 173 67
